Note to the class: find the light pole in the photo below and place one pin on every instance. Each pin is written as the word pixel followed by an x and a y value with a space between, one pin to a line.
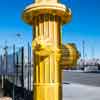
pixel 18 35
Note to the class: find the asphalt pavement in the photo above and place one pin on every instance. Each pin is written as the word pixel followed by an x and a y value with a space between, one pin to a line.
pixel 91 79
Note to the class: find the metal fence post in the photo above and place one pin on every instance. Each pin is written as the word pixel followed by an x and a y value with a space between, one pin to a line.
pixel 14 73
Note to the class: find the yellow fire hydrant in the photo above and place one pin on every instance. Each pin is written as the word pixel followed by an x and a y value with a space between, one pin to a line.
pixel 46 18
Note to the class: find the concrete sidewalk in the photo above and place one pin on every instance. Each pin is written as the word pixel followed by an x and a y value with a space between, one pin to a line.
pixel 80 92
pixel 77 92
pixel 5 98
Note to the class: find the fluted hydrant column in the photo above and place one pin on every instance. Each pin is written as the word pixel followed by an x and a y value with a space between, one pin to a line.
pixel 46 17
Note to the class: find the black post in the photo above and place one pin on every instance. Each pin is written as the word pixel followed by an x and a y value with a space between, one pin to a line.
pixel 14 75
pixel 17 67
pixel 22 66
pixel 28 69
pixel 1 65
pixel 6 60
pixel 5 66
pixel 2 76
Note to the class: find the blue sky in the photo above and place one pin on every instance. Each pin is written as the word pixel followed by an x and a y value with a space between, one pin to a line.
pixel 83 26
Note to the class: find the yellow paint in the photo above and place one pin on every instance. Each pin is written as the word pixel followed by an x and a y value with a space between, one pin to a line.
pixel 46 17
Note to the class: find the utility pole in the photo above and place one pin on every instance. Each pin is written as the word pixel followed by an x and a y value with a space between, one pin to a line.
pixel 83 53
pixel 92 52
